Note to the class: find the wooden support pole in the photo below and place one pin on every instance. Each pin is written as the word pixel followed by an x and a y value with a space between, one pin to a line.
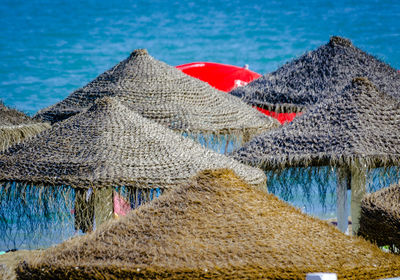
pixel 358 190
pixel 103 206
pixel 343 184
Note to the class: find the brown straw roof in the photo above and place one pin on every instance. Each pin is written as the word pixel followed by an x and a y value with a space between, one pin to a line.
pixel 110 145
pixel 166 95
pixel 380 217
pixel 16 126
pixel 10 116
pixel 316 75
pixel 360 123
pixel 215 227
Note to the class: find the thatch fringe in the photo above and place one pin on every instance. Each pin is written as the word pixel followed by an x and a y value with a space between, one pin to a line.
pixel 313 189
pixel 33 216
pixel 10 135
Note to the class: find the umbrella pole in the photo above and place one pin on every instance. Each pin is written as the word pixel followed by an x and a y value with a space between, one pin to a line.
pixel 104 205
pixel 343 184
pixel 358 190
pixel 226 144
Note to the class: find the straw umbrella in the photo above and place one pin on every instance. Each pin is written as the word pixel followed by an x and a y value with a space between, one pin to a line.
pixel 316 75
pixel 215 227
pixel 105 147
pixel 380 217
pixel 16 126
pixel 166 95
pixel 355 131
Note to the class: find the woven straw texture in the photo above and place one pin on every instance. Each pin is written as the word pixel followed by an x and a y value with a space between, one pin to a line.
pixel 361 124
pixel 10 116
pixel 16 126
pixel 166 95
pixel 110 145
pixel 380 217
pixel 316 75
pixel 216 227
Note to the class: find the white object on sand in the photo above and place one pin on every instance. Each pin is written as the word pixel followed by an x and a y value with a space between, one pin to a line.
pixel 321 276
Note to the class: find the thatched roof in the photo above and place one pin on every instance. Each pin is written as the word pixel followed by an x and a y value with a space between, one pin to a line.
pixel 317 75
pixel 359 123
pixel 216 227
pixel 10 116
pixel 166 95
pixel 110 145
pixel 16 126
pixel 380 217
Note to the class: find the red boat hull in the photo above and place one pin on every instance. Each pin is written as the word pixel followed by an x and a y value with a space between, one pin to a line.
pixel 226 78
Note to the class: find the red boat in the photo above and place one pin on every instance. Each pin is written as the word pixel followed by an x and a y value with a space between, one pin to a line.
pixel 221 76
pixel 226 78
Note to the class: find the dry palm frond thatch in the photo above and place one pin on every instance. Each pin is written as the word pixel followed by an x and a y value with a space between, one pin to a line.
pixel 110 145
pixel 316 75
pixel 360 123
pixel 353 131
pixel 166 95
pixel 380 217
pixel 214 227
pixel 15 126
pixel 78 163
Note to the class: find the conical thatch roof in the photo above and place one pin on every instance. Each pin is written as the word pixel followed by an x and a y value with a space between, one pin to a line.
pixel 110 145
pixel 360 123
pixel 216 227
pixel 317 75
pixel 16 126
pixel 9 116
pixel 166 95
pixel 380 217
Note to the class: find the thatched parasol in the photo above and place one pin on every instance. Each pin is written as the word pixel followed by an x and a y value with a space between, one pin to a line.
pixel 166 95
pixel 215 227
pixel 316 75
pixel 380 217
pixel 16 126
pixel 104 147
pixel 353 131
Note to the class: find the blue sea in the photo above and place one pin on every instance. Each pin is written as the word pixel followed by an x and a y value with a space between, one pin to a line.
pixel 50 48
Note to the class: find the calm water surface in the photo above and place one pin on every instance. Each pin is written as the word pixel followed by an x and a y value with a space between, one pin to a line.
pixel 50 48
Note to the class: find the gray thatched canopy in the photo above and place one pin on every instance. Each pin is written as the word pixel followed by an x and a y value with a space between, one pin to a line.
pixel 16 126
pixel 380 217
pixel 110 145
pixel 166 95
pixel 316 75
pixel 214 227
pixel 354 131
pixel 359 123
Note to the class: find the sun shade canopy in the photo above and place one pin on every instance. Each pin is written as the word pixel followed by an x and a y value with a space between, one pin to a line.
pixel 110 145
pixel 316 75
pixel 380 217
pixel 214 227
pixel 166 95
pixel 15 126
pixel 359 123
